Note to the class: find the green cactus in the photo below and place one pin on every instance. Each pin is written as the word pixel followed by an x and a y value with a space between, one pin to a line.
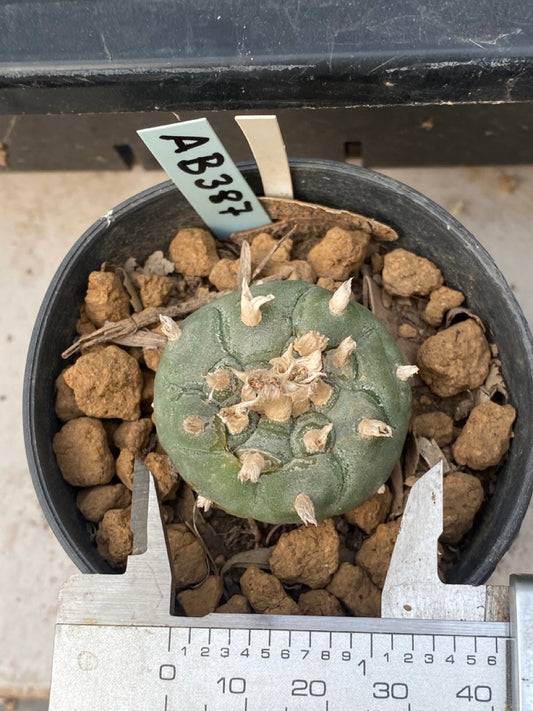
pixel 283 403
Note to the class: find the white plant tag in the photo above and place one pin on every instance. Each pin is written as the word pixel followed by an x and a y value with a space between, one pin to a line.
pixel 194 158
pixel 266 143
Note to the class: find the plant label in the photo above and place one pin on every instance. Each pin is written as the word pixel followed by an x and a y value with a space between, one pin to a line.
pixel 194 158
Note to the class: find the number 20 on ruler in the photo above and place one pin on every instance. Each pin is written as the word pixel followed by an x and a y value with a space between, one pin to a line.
pixel 195 159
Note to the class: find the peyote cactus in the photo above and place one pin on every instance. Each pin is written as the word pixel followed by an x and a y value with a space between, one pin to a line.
pixel 284 404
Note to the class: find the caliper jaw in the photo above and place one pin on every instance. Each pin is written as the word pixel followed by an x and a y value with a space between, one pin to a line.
pixel 413 589
pixel 144 593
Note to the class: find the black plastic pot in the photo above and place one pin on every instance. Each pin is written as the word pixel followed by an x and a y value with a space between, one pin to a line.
pixel 149 220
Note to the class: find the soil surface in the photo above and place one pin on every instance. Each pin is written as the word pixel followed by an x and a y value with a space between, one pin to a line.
pixel 225 564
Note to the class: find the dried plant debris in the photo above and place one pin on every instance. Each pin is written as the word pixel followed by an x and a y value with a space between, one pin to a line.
pixel 461 414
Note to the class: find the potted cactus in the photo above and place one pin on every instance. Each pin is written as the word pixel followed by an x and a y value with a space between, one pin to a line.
pixel 285 402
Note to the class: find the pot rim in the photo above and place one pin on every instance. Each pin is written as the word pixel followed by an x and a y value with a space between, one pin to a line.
pixel 506 534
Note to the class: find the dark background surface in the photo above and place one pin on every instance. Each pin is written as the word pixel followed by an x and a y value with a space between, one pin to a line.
pixel 413 82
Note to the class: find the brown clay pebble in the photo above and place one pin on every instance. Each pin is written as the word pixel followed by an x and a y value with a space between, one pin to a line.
pixel 375 553
pixel 133 435
pixel 328 283
pixel 353 587
pixel 193 251
pixel 340 254
pixel 407 274
pixel 65 403
pixel 203 599
pixel 83 454
pixel 223 275
pixel 462 499
pixel 406 330
pixel 152 357
pixel 95 501
pixel 83 325
pixel 485 437
pixel 440 301
pixel 154 290
pixel 434 425
pixel 300 270
pixel 125 464
pixel 263 243
pixel 236 605
pixel 307 555
pixel 106 298
pixel 297 269
pixel 114 538
pixel 187 556
pixel 455 359
pixel 320 602
pixel 107 383
pixel 165 474
pixel 372 512
pixel 266 594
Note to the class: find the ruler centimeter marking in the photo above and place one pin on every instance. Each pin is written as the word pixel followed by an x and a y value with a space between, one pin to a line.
pixel 238 667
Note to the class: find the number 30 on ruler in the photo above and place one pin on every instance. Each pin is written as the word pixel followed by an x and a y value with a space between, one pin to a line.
pixel 195 159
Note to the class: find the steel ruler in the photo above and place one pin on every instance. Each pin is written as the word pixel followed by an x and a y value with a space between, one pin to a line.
pixel 436 646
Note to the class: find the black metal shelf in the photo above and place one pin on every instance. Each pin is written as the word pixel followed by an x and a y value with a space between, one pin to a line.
pixel 100 57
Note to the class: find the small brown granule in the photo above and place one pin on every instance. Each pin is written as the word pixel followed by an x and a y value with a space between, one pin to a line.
pixel 96 500
pixel 407 274
pixel 340 254
pixel 193 251
pixel 106 298
pixel 107 383
pixel 83 454
pixel 114 538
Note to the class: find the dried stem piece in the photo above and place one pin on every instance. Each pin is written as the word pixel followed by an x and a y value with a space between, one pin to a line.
pixel 309 218
pixel 262 264
pixel 112 331
pixel 244 274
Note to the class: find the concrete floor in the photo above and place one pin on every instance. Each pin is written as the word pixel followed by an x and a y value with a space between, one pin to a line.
pixel 41 215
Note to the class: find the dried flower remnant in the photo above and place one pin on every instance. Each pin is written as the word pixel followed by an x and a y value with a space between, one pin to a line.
pixel 316 440
pixel 309 342
pixel 235 418
pixel 253 463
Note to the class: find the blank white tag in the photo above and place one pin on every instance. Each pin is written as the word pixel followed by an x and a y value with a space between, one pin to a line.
pixel 266 143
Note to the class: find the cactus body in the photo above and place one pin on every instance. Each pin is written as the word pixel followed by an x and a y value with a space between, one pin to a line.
pixel 255 424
